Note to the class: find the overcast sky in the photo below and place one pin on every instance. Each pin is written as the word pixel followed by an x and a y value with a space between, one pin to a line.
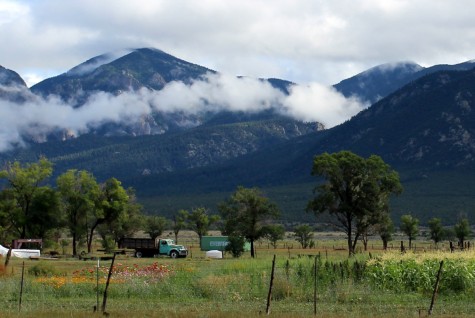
pixel 299 40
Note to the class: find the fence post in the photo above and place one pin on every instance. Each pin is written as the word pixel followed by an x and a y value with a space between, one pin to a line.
pixel 97 284
pixel 7 259
pixel 436 287
pixel 104 300
pixel 287 270
pixel 270 286
pixel 21 284
pixel 315 288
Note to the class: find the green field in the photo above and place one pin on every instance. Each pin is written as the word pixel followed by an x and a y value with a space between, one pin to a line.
pixel 372 284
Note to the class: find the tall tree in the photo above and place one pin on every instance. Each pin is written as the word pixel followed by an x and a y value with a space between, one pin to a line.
pixel 436 230
pixel 80 196
pixel 245 214
pixel 179 222
pixel 5 224
pixel 409 226
pixel 200 221
pixel 45 213
pixel 112 205
pixel 462 231
pixel 303 234
pixel 128 222
pixel 355 191
pixel 23 184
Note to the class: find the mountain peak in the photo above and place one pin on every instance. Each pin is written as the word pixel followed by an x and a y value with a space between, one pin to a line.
pixel 379 81
pixel 10 78
pixel 400 67
pixel 123 70
pixel 92 64
pixel 12 87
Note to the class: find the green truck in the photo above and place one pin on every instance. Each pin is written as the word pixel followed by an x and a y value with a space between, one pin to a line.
pixel 147 247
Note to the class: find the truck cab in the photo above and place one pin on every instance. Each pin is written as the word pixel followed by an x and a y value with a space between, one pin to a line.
pixel 168 247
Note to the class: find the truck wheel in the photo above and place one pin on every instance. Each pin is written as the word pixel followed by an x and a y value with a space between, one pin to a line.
pixel 173 254
pixel 138 254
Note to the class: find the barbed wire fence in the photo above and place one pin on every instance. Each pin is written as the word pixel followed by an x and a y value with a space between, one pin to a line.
pixel 308 284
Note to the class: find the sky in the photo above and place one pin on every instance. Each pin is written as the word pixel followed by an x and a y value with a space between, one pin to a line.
pixel 313 43
pixel 298 40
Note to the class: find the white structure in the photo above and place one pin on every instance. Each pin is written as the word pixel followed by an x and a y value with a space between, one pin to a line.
pixel 20 253
pixel 214 254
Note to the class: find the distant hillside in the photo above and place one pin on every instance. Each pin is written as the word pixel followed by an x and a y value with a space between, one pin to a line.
pixel 382 80
pixel 428 123
pixel 379 81
pixel 130 157
pixel 424 130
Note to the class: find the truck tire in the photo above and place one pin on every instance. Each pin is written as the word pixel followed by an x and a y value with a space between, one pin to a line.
pixel 138 254
pixel 173 254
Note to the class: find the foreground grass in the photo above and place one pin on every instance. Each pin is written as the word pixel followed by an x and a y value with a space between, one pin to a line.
pixel 199 287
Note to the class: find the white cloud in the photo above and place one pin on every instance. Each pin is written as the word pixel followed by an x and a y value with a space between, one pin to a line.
pixel 316 102
pixel 214 92
pixel 217 92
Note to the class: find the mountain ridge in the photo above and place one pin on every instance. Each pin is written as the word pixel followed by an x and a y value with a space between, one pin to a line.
pixel 423 128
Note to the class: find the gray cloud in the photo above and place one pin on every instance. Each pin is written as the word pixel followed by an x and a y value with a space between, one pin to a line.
pixel 304 41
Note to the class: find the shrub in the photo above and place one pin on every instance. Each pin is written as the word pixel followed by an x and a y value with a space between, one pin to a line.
pixel 236 245
pixel 42 269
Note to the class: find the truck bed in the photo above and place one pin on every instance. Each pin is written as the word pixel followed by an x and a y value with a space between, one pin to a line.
pixel 137 243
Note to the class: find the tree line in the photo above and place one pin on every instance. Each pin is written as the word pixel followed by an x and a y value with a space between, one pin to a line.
pixel 31 208
pixel 354 190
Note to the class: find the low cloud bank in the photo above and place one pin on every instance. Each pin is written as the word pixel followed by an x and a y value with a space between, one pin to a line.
pixel 213 92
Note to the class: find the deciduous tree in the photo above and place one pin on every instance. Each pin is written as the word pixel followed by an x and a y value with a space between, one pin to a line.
pixel 113 203
pixel 179 222
pixel 303 234
pixel 80 196
pixel 436 230
pixel 354 190
pixel 245 214
pixel 274 233
pixel 128 222
pixel 200 221
pixel 385 229
pixel 23 183
pixel 155 225
pixel 45 213
pixel 410 227
pixel 462 231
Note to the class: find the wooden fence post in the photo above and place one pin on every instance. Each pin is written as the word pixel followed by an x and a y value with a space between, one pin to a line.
pixel 97 285
pixel 104 300
pixel 21 284
pixel 270 287
pixel 436 287
pixel 315 288
pixel 7 259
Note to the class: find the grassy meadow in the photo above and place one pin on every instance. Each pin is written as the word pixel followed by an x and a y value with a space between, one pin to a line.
pixel 371 284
